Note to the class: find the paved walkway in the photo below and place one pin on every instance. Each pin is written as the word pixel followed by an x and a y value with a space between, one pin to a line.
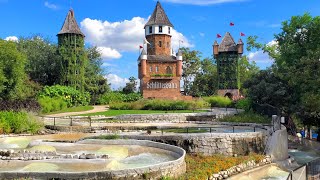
pixel 94 110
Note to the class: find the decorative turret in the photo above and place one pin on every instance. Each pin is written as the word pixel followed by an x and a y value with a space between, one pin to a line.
pixel 227 55
pixel 70 25
pixel 71 49
pixel 158 31
pixel 160 71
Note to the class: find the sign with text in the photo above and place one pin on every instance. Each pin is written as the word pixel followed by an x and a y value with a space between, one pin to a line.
pixel 160 85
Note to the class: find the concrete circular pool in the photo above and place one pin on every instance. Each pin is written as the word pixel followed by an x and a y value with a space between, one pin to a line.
pixel 23 157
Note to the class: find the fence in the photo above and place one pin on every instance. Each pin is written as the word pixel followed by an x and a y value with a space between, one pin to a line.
pixel 308 171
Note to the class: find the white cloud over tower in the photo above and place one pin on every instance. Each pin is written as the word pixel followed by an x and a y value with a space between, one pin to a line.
pixel 113 38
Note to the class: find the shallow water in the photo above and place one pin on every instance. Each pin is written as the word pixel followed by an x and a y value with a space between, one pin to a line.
pixel 120 156
pixel 269 172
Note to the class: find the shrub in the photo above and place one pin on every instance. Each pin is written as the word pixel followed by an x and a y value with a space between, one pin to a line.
pixel 52 104
pixel 244 104
pixel 247 117
pixel 70 95
pixel 19 122
pixel 30 105
pixel 119 97
pixel 218 101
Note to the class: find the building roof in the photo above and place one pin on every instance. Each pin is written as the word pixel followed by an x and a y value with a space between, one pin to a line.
pixel 70 25
pixel 161 58
pixel 228 44
pixel 159 17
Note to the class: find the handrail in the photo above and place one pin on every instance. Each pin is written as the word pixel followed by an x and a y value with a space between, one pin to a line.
pixel 306 165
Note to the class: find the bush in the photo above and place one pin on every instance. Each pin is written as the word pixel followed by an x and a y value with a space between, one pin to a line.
pixel 244 104
pixel 113 97
pixel 19 122
pixel 30 105
pixel 52 104
pixel 218 101
pixel 70 95
pixel 159 104
pixel 247 117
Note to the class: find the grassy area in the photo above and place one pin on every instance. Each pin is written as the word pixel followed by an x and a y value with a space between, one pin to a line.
pixel 122 112
pixel 201 167
pixel 184 130
pixel 247 117
pixel 73 109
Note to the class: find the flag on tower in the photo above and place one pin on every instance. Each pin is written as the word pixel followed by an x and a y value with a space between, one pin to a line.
pixel 242 34
pixel 141 47
pixel 219 36
pixel 231 24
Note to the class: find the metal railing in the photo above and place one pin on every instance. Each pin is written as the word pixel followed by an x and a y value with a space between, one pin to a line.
pixel 308 171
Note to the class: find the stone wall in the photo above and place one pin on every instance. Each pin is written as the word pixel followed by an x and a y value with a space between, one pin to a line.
pixel 278 145
pixel 173 168
pixel 212 143
pixel 174 117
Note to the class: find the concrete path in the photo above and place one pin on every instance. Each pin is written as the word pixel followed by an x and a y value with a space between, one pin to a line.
pixel 94 110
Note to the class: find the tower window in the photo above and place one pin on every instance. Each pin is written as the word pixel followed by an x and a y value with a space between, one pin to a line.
pixel 157 68
pixel 169 70
pixel 150 68
pixel 160 29
pixel 160 43
pixel 150 29
pixel 169 30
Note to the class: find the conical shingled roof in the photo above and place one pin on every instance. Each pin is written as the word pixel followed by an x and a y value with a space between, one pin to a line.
pixel 227 44
pixel 159 17
pixel 70 25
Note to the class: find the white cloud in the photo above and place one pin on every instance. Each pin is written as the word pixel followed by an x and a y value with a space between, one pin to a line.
pixel 116 81
pixel 108 53
pixel 11 38
pixel 202 34
pixel 122 36
pixel 50 5
pixel 259 56
pixel 272 43
pixel 202 2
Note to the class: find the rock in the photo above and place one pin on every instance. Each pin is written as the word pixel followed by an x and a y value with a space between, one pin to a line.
pixel 238 169
pixel 91 156
pixel 225 176
pixel 264 160
pixel 82 156
pixel 75 156
pixel 235 155
pixel 104 156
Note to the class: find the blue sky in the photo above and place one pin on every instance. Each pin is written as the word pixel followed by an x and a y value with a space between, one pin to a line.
pixel 116 26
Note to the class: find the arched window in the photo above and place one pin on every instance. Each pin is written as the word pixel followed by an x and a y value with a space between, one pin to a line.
pixel 169 70
pixel 160 43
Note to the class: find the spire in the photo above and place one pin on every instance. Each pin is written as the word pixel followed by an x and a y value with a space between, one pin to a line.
pixel 227 44
pixel 159 17
pixel 70 25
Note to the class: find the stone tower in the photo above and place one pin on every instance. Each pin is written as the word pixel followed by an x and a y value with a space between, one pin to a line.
pixel 227 55
pixel 159 71
pixel 72 52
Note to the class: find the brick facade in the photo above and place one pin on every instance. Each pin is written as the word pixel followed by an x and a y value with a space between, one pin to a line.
pixel 155 41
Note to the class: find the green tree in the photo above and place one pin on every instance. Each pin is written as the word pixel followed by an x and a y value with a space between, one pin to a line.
pixel 12 74
pixel 246 70
pixel 298 63
pixel 95 82
pixel 206 80
pixel 42 60
pixel 191 66
pixel 131 86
